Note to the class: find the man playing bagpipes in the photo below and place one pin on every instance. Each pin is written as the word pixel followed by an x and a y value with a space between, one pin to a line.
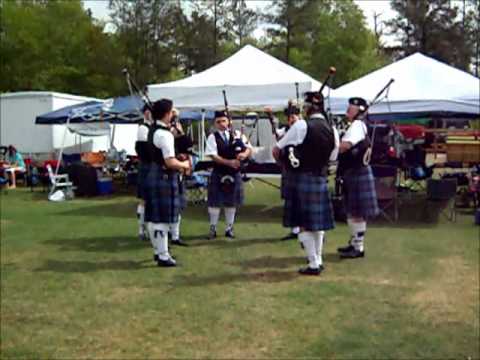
pixel 292 112
pixel 162 193
pixel 228 149
pixel 144 162
pixel 306 149
pixel 183 150
pixel 358 185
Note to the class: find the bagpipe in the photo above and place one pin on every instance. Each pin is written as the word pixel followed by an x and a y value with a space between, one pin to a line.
pixel 183 143
pixel 237 146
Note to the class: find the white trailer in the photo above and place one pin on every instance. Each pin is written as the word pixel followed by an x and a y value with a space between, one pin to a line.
pixel 17 124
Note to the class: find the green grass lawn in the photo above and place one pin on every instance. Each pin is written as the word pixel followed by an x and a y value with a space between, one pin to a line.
pixel 77 283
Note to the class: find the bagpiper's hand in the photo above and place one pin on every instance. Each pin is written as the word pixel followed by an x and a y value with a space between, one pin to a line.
pixel 242 156
pixel 234 164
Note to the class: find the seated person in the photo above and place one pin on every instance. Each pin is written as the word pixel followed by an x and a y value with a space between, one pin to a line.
pixel 14 164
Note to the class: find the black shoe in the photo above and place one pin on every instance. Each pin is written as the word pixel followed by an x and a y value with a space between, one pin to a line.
pixel 289 237
pixel 166 263
pixel 310 271
pixel 179 242
pixel 352 254
pixel 155 257
pixel 229 233
pixel 212 234
pixel 344 249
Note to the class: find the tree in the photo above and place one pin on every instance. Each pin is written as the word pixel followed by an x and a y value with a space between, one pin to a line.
pixel 56 46
pixel 432 27
pixel 315 35
pixel 242 20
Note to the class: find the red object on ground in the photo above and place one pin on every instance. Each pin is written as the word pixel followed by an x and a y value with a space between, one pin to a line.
pixel 52 163
pixel 411 131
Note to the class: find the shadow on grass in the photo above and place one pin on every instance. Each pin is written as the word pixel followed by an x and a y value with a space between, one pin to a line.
pixel 236 243
pixel 99 244
pixel 118 210
pixel 222 279
pixel 91 266
pixel 269 262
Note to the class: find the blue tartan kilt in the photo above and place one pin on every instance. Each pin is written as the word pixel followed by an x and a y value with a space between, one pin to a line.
pixel 307 203
pixel 182 194
pixel 143 169
pixel 285 183
pixel 359 195
pixel 162 196
pixel 217 197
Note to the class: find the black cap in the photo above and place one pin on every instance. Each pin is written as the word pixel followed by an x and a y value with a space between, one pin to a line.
pixel 161 107
pixel 221 113
pixel 358 101
pixel 291 109
pixel 314 98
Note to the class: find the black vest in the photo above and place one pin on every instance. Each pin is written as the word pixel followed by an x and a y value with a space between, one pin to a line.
pixel 155 153
pixel 314 152
pixel 227 150
pixel 141 148
pixel 353 157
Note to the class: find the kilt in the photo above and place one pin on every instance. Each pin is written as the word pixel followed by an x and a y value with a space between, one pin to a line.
pixel 285 183
pixel 359 195
pixel 143 169
pixel 182 193
pixel 218 197
pixel 162 197
pixel 307 203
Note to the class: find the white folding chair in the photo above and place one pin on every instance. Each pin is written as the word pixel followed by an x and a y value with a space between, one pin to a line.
pixel 60 182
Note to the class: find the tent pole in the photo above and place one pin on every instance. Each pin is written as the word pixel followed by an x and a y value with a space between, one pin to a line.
pixel 202 136
pixel 59 160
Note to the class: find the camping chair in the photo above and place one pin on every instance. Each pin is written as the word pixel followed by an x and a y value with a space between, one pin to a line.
pixel 386 177
pixel 60 182
pixel 443 192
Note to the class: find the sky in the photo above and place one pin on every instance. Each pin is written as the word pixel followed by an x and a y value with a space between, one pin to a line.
pixel 369 7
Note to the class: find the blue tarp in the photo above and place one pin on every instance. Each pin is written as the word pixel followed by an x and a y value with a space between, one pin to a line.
pixel 120 110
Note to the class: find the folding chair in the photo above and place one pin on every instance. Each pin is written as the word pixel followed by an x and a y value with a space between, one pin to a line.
pixel 60 182
pixel 386 188
pixel 443 192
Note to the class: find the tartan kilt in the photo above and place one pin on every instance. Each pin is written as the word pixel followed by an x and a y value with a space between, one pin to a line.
pixel 359 195
pixel 182 193
pixel 218 198
pixel 285 183
pixel 143 169
pixel 307 203
pixel 162 198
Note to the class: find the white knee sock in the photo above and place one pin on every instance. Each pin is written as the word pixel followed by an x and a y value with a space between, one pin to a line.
pixel 308 240
pixel 358 240
pixel 230 216
pixel 160 237
pixel 175 229
pixel 152 240
pixel 214 214
pixel 141 219
pixel 295 230
pixel 351 226
pixel 319 235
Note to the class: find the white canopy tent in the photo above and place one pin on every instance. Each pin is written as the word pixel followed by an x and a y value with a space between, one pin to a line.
pixel 422 85
pixel 252 79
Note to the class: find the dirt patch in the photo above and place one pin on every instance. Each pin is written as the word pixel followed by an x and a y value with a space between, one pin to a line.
pixel 452 295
